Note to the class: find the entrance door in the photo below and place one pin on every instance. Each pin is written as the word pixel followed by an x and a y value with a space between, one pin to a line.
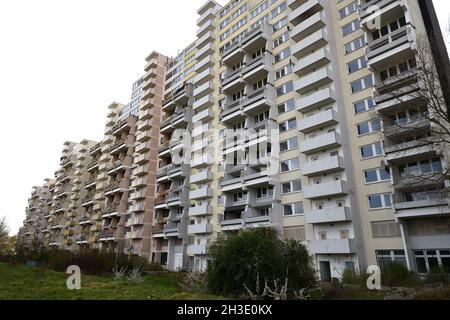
pixel 325 271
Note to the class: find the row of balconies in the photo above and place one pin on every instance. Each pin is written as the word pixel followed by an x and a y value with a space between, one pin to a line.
pixel 252 40
pixel 252 70
pixel 252 102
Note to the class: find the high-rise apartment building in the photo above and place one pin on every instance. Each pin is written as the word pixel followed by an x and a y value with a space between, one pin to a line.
pixel 35 227
pixel 282 113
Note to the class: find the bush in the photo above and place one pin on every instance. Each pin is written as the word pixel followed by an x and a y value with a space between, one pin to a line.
pixel 397 275
pixel 438 275
pixel 91 262
pixel 191 282
pixel 254 256
pixel 352 277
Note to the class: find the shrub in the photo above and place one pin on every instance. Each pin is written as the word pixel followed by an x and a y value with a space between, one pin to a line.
pixel 252 257
pixel 352 277
pixel 91 262
pixel 438 275
pixel 397 275
pixel 299 263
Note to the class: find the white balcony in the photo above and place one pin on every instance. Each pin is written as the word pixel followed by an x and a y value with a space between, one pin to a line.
pixel 200 228
pixel 195 249
pixel 383 10
pixel 318 99
pixel 325 190
pixel 392 46
pixel 203 210
pixel 201 161
pixel 204 89
pixel 422 209
pixel 207 15
pixel 207 26
pixel 310 44
pixel 312 62
pixel 335 246
pixel 204 64
pixel 318 120
pixel 409 150
pixel 296 16
pixel 207 37
pixel 314 80
pixel 199 144
pixel 322 166
pixel 328 215
pixel 308 26
pixel 206 75
pixel 204 115
pixel 321 142
pixel 201 177
pixel 231 184
pixel 200 130
pixel 201 193
pixel 203 103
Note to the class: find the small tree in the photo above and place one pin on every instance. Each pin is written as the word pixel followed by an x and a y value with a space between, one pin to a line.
pixel 4 237
pixel 256 258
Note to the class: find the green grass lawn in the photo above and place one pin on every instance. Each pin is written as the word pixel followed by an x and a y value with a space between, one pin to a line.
pixel 22 283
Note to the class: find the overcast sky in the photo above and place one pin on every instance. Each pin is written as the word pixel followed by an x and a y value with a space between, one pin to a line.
pixel 62 62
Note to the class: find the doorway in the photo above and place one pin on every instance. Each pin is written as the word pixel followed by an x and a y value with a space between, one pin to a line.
pixel 325 271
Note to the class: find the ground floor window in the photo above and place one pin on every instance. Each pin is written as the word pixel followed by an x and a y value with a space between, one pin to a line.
pixel 386 257
pixel 430 260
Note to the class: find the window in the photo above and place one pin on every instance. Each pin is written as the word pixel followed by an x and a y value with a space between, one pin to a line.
pixel 350 27
pixel 385 229
pixel 386 257
pixel 356 65
pixel 280 24
pixel 344 12
pixel 420 167
pixel 371 150
pixel 364 105
pixel 285 88
pixel 377 175
pixel 355 45
pixel 391 27
pixel 290 165
pixel 401 68
pixel 288 125
pixel 283 72
pixel 283 55
pixel 292 209
pixel 262 117
pixel 362 83
pixel 344 234
pixel 287 106
pixel 264 193
pixel 259 9
pixel 282 39
pixel 259 84
pixel 292 186
pixel 239 197
pixel 278 10
pixel 289 144
pixel 403 117
pixel 238 95
pixel 380 201
pixel 369 127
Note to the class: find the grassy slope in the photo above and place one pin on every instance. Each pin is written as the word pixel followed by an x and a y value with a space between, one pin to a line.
pixel 23 283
